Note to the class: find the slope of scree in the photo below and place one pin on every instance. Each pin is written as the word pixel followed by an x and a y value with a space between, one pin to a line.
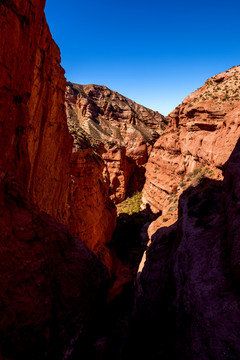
pixel 121 131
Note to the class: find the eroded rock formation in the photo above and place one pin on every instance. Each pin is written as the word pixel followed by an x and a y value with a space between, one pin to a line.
pixel 50 283
pixel 125 129
pixel 202 133
pixel 188 289
pixel 187 294
pixel 34 139
pixel 91 215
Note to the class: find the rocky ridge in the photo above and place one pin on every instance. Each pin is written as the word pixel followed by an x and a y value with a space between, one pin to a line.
pixel 201 135
pixel 121 131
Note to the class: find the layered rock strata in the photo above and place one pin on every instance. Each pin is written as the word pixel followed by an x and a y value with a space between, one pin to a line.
pixel 125 130
pixel 202 133
pixel 51 283
pixel 34 139
pixel 188 299
pixel 188 279
pixel 91 215
pixel 35 142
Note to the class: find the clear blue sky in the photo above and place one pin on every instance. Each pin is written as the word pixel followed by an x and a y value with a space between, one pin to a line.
pixel 154 52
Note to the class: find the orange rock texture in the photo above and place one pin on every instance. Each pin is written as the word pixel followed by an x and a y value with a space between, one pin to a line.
pixel 127 131
pixel 188 300
pixel 33 123
pixel 50 283
pixel 35 142
pixel 91 215
pixel 201 135
pixel 187 294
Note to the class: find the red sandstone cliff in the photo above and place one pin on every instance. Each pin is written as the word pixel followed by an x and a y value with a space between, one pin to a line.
pixel 34 139
pixel 188 288
pixel 35 142
pixel 50 283
pixel 126 129
pixel 201 135
pixel 187 303
pixel 91 215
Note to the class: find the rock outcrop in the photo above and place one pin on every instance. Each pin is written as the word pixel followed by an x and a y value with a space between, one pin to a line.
pixel 51 284
pixel 91 215
pixel 34 139
pixel 122 132
pixel 188 297
pixel 187 294
pixel 201 135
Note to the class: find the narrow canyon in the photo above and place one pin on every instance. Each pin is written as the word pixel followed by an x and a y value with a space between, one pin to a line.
pixel 119 227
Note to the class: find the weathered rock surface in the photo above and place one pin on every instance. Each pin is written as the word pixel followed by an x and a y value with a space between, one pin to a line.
pixel 51 284
pixel 126 129
pixel 188 300
pixel 91 215
pixel 34 139
pixel 197 143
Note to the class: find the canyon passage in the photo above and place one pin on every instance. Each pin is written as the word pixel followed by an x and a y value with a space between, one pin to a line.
pixel 119 227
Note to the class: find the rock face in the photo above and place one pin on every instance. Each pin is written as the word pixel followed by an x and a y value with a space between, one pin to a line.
pixel 33 123
pixel 188 289
pixel 35 142
pixel 126 130
pixel 51 283
pixel 202 133
pixel 91 215
pixel 187 294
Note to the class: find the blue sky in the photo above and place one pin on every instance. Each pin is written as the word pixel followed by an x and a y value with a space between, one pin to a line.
pixel 154 52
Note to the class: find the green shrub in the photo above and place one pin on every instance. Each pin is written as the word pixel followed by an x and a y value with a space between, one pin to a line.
pixel 182 184
pixel 131 204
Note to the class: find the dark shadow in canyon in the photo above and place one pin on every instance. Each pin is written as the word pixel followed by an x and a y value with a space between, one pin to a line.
pixel 160 327
pixel 127 246
pixel 136 180
pixel 156 325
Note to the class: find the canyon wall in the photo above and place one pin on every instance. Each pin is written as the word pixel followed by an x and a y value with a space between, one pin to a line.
pixel 189 287
pixel 121 131
pixel 33 121
pixel 201 135
pixel 35 142
pixel 187 299
pixel 51 284
pixel 90 215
